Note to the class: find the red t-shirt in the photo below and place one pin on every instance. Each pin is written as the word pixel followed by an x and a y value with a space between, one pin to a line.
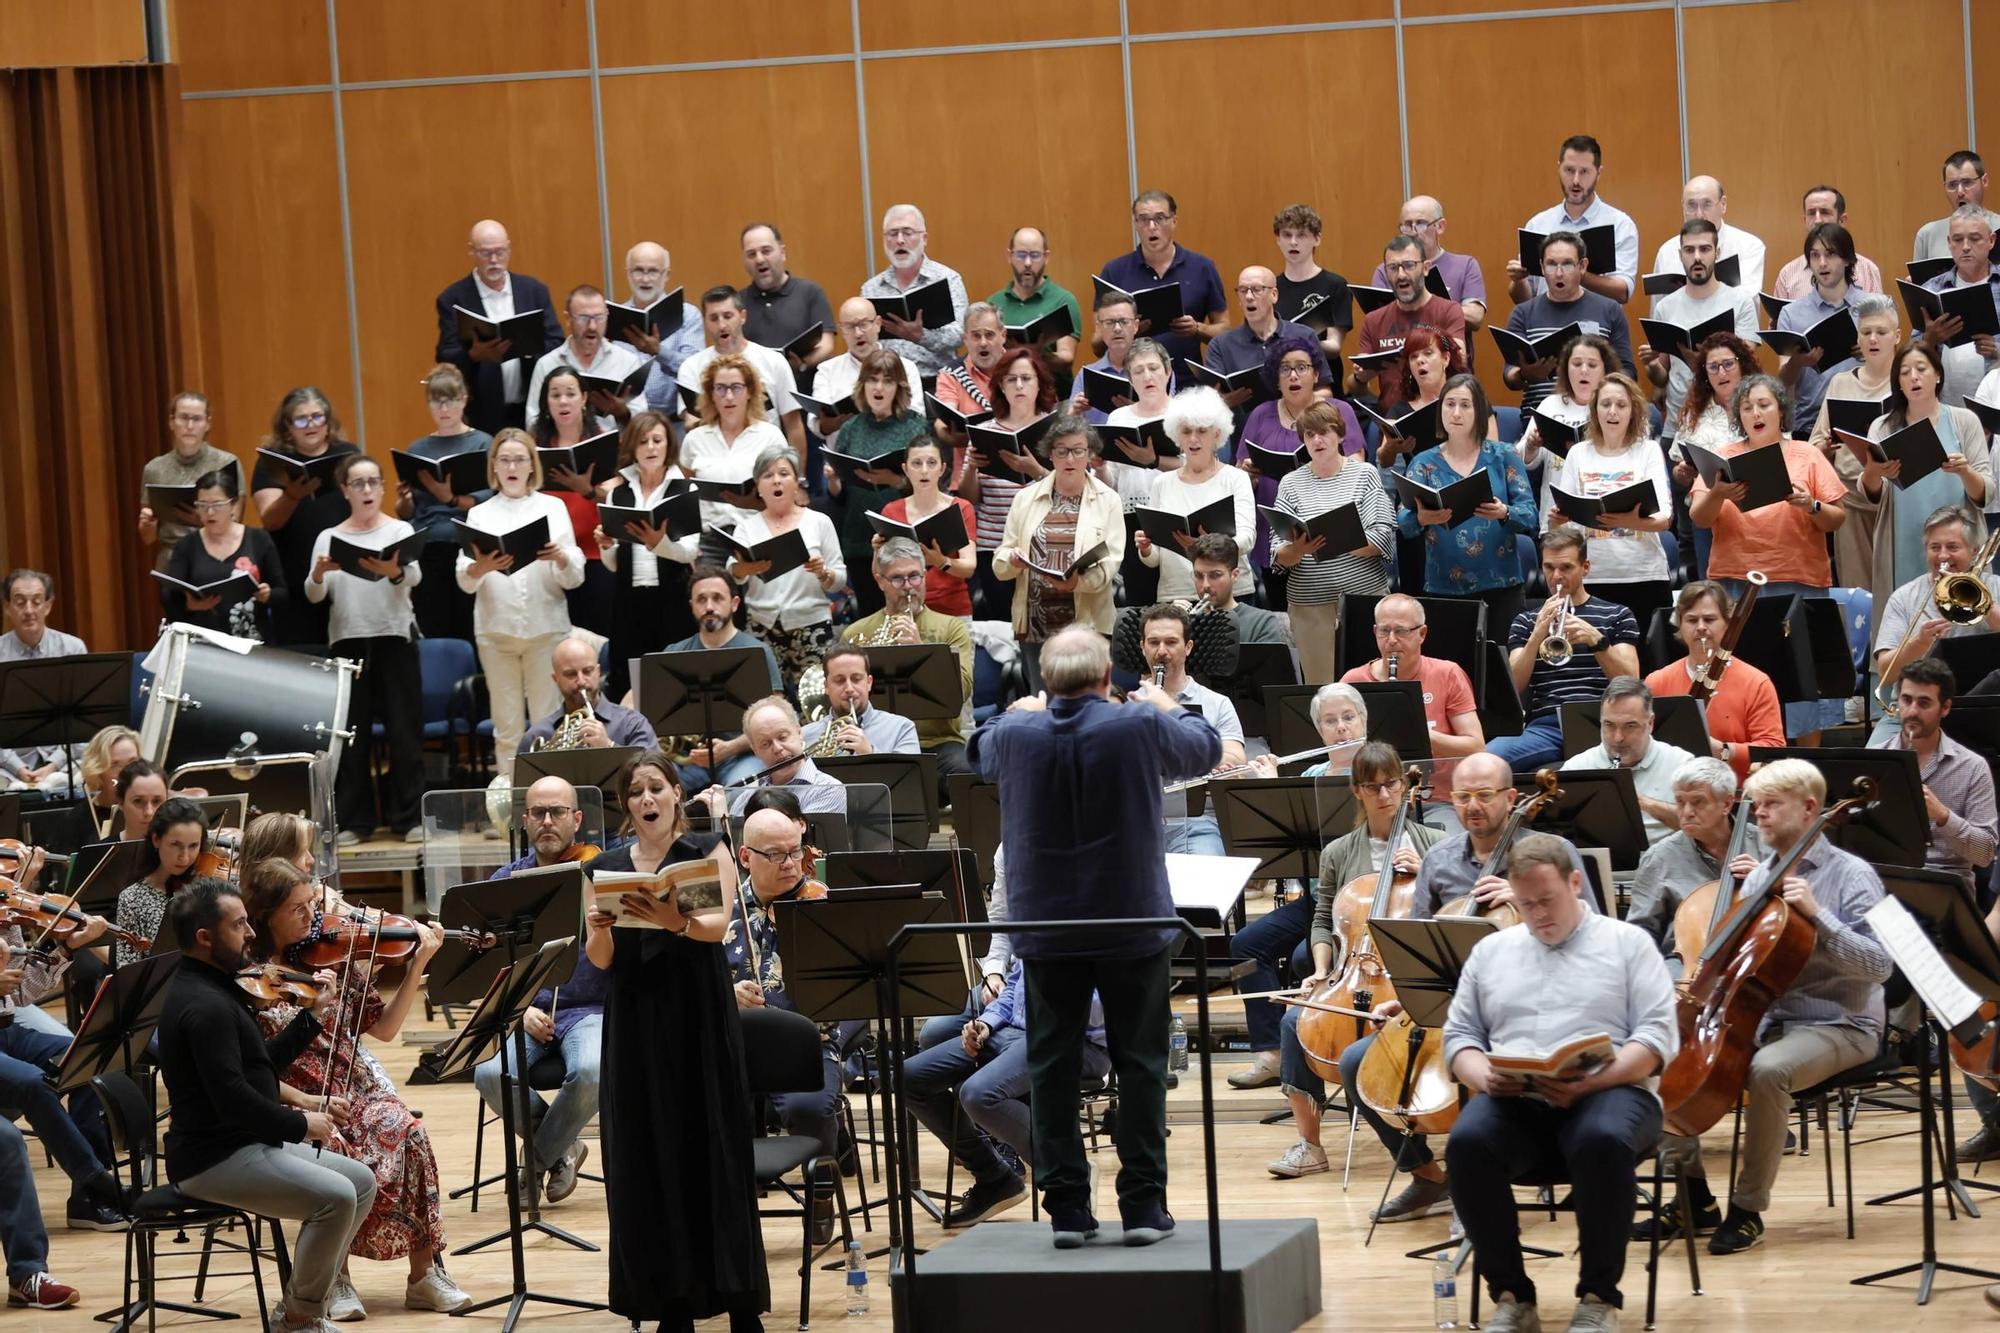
pixel 1447 694
pixel 1384 331
pixel 582 520
pixel 944 593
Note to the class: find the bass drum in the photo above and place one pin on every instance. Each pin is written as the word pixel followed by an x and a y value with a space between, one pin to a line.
pixel 206 702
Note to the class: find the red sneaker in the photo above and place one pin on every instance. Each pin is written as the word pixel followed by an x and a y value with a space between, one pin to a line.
pixel 42 1292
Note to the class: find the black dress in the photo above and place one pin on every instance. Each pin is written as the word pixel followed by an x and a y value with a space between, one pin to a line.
pixel 677 1124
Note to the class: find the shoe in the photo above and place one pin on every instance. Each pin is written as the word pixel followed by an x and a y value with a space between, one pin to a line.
pixel 1791 1144
pixel 1983 1146
pixel 414 835
pixel 1707 1217
pixel 1009 1158
pixel 41 1292
pixel 435 1291
pixel 343 1303
pixel 1593 1315
pixel 1301 1159
pixel 562 1176
pixel 1419 1198
pixel 1262 1072
pixel 91 1215
pixel 1510 1316
pixel 1073 1227
pixel 1993 1297
pixel 347 837
pixel 984 1200
pixel 1150 1226
pixel 278 1324
pixel 1738 1232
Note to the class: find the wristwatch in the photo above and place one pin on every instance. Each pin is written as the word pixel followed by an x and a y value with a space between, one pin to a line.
pixel 1816 506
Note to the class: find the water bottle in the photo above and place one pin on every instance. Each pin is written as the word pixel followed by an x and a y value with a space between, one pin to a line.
pixel 1177 1051
pixel 857 1280
pixel 1444 1289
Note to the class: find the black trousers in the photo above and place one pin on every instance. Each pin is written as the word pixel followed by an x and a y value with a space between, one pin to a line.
pixel 1136 1021
pixel 592 603
pixel 1595 1146
pixel 444 610
pixel 645 621
pixel 950 759
pixel 388 689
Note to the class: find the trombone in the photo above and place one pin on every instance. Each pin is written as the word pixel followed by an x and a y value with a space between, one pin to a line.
pixel 1961 598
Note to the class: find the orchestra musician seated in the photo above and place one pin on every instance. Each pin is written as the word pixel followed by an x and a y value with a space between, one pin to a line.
pixel 1564 653
pixel 578 676
pixel 1742 704
pixel 1168 633
pixel 1570 973
pixel 1625 722
pixel 1681 862
pixel 858 726
pixel 989 1067
pixel 1829 1020
pixel 1450 708
pixel 899 566
pixel 552 818
pixel 1909 625
pixel 1958 782
pixel 1216 558
pixel 772 725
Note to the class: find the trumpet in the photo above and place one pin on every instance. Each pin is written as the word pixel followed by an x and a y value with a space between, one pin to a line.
pixel 1556 647
pixel 1961 598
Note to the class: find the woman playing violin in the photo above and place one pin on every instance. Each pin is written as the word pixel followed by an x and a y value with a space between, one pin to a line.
pixel 178 833
pixel 376 1127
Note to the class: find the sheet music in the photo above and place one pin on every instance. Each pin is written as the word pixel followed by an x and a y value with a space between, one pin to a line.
pixel 1208 883
pixel 1945 995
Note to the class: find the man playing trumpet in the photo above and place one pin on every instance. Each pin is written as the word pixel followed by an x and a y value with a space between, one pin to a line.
pixel 1567 652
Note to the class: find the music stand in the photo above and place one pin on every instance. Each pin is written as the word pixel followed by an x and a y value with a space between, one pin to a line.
pixel 1777 641
pixel 1457 628
pixel 1260 667
pixel 1945 910
pixel 1500 708
pixel 1288 717
pixel 700 691
pixel 1283 822
pixel 1396 715
pixel 910 781
pixel 1678 719
pixel 106 873
pixel 63 701
pixel 1599 807
pixel 1830 650
pixel 1971 657
pixel 1974 721
pixel 1890 832
pixel 581 767
pixel 269 783
pixel 975 817
pixel 220 812
pixel 10 815
pixel 920 681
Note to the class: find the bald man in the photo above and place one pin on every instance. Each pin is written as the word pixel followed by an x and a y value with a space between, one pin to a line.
pixel 1703 197
pixel 649 273
pixel 1423 217
pixel 861 331
pixel 1245 346
pixel 496 370
pixel 579 678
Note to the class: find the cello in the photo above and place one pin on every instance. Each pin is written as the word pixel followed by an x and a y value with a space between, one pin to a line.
pixel 1754 958
pixel 1528 808
pixel 1361 983
pixel 1706 906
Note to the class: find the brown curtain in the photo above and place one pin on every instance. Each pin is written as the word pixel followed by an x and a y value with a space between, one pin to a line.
pixel 96 329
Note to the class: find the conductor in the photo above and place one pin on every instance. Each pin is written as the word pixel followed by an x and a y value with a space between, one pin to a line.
pixel 1084 840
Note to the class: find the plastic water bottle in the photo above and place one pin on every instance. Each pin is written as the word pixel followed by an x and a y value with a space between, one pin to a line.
pixel 1177 1051
pixel 857 1280
pixel 1444 1289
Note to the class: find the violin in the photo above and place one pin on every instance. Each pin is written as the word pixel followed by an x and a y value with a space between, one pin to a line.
pixel 1703 911
pixel 386 939
pixel 56 915
pixel 1525 810
pixel 269 984
pixel 1753 959
pixel 579 853
pixel 17 852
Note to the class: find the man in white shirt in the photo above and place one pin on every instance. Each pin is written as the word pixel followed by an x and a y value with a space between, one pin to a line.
pixel 772 726
pixel 1964 183
pixel 1702 298
pixel 588 353
pixel 1703 198
pixel 904 236
pixel 1823 203
pixel 872 730
pixel 722 319
pixel 1579 165
pixel 1625 721
pixel 861 330
pixel 30 596
pixel 495 369
pixel 1970 238
pixel 650 271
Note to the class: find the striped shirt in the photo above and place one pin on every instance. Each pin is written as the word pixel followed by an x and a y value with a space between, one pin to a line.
pixel 1842 982
pixel 1580 679
pixel 1318 579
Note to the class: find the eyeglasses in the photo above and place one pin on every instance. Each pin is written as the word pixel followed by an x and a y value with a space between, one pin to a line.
pixel 307 420
pixel 778 857
pixel 856 324
pixel 1379 788
pixel 1295 369
pixel 1395 631
pixel 1152 219
pixel 1070 451
pixel 1419 224
pixel 645 272
pixel 727 390
pixel 901 233
pixel 1722 367
pixel 548 814
pixel 1478 795
pixel 1559 265
pixel 587 319
pixel 1117 323
pixel 904 580
pixel 491 251
pixel 1028 256
pixel 364 483
pixel 1252 291
pixel 190 418
pixel 212 506
pixel 1401 266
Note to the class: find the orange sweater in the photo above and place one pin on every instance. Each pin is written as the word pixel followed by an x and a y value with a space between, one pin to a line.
pixel 1743 710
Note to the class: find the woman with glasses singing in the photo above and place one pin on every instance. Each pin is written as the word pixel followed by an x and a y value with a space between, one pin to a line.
pixel 190 456
pixel 223 551
pixel 1063 516
pixel 374 623
pixel 297 507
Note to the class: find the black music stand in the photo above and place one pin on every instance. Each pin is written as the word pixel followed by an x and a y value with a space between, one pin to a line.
pixel 10 815
pixel 1974 721
pixel 1500 709
pixel 975 818
pixel 919 681
pixel 1678 719
pixel 836 952
pixel 499 1017
pixel 269 783
pixel 1599 807
pixel 1971 657
pixel 1801 644
pixel 1945 910
pixel 1396 715
pixel 103 870
pixel 1288 717
pixel 1890 831
pixel 1260 667
pixel 911 783
pixel 1457 628
pixel 1283 822
pixel 701 691
pixel 63 701
pixel 581 767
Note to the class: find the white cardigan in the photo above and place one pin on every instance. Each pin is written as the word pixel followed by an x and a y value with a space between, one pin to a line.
pixel 523 603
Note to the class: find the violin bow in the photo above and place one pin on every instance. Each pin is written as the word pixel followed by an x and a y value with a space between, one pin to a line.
pixel 333 1046
pixel 361 1008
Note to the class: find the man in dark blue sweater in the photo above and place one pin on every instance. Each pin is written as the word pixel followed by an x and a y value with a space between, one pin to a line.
pixel 1080 780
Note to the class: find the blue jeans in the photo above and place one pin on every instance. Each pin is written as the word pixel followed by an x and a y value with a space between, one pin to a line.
pixel 946 1027
pixel 73 1136
pixel 1282 931
pixel 557 1125
pixel 992 1095
pixel 23 1238
pixel 1198 836
pixel 1541 742
pixel 1408 1151
pixel 815 1115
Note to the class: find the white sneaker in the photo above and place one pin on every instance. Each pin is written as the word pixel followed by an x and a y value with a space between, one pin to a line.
pixel 435 1291
pixel 1593 1316
pixel 1301 1159
pixel 562 1176
pixel 343 1303
pixel 1510 1316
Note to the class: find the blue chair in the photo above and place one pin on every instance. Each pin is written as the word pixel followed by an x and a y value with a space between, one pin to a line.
pixel 1508 421
pixel 993 686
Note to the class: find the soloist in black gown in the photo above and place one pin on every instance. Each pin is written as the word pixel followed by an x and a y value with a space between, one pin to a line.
pixel 677 1123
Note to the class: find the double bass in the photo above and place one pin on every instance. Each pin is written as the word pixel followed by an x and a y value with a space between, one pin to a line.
pixel 1403 1077
pixel 1754 957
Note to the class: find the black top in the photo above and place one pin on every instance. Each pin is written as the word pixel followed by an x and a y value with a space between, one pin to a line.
pixel 192 563
pixel 222 1076
pixel 301 621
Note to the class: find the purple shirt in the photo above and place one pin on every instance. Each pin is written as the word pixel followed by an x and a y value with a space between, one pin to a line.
pixel 1201 290
pixel 1266 429
pixel 1462 279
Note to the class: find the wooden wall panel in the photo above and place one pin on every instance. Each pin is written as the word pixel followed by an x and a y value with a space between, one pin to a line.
pixel 1201 15
pixel 79 32
pixel 791 153
pixel 1986 83
pixel 1492 159
pixel 409 241
pixel 1230 176
pixel 249 44
pixel 647 32
pixel 891 25
pixel 1064 173
pixel 1413 9
pixel 393 39
pixel 1888 168
pixel 265 215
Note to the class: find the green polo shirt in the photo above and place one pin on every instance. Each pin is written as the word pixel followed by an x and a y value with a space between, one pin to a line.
pixel 1015 311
